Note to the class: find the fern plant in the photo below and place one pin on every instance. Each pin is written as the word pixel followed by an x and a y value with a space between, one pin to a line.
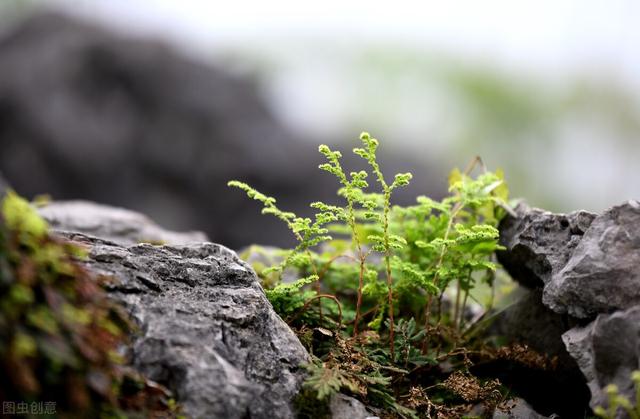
pixel 386 270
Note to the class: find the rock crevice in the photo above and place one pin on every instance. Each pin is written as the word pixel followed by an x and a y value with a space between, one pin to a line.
pixel 588 268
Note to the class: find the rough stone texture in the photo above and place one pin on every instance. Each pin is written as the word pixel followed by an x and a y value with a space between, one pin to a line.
pixel 86 113
pixel 539 243
pixel 607 351
pixel 587 264
pixel 119 225
pixel 207 330
pixel 603 273
pixel 345 407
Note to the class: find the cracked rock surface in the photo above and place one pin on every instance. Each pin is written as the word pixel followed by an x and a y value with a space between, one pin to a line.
pixel 607 351
pixel 539 243
pixel 588 268
pixel 603 272
pixel 587 264
pixel 206 329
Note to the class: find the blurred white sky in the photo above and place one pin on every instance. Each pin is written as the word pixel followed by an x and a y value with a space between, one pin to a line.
pixel 548 35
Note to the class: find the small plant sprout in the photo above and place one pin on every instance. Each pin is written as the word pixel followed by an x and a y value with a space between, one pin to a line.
pixel 386 242
pixel 383 266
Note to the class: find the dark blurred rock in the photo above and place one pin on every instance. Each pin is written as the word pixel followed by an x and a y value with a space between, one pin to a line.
pixel 206 329
pixel 561 389
pixel 119 225
pixel 603 273
pixel 608 351
pixel 539 243
pixel 527 321
pixel 89 114
pixel 4 185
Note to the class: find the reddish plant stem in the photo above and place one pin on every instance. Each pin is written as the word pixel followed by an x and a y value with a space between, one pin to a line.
pixel 387 261
pixel 427 315
pixel 359 302
pixel 391 320
pixel 456 308
pixel 318 297
pixel 475 161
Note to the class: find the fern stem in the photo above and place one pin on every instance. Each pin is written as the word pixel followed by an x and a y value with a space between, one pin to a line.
pixel 456 309
pixel 362 259
pixel 427 315
pixel 359 301
pixel 373 310
pixel 317 284
pixel 464 307
pixel 453 215
pixel 387 261
pixel 328 263
pixel 391 321
pixel 319 297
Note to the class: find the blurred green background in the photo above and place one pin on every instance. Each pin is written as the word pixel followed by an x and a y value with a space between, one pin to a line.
pixel 546 90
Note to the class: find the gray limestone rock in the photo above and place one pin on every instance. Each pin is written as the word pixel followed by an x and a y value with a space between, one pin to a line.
pixel 607 351
pixel 346 407
pixel 588 266
pixel 206 329
pixel 539 243
pixel 587 263
pixel 120 225
pixel 603 272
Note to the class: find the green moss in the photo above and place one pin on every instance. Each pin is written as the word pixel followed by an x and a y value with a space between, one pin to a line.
pixel 59 333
